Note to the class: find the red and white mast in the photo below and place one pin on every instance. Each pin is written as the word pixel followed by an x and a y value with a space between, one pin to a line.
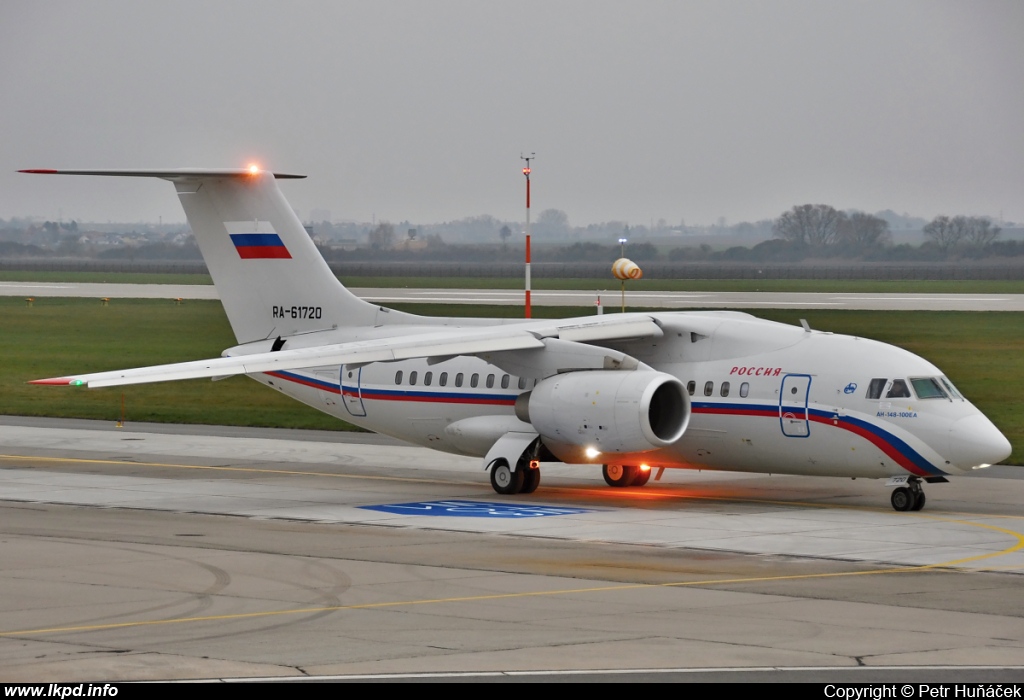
pixel 526 172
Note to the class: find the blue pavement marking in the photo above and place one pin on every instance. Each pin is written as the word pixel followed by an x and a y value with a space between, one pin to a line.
pixel 475 509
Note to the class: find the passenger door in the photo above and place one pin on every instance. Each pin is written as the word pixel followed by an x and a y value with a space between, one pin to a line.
pixel 793 399
pixel 352 392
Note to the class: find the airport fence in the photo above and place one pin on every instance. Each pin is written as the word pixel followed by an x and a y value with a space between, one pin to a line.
pixel 652 270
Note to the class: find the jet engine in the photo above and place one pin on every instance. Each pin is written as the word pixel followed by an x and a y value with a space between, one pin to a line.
pixel 611 412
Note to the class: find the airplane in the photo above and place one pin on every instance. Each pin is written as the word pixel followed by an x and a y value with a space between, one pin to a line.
pixel 633 392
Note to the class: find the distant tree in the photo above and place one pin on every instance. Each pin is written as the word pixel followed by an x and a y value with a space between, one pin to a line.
pixel 382 237
pixel 641 252
pixel 862 232
pixel 979 231
pixel 553 222
pixel 813 225
pixel 950 233
pixel 505 233
pixel 945 232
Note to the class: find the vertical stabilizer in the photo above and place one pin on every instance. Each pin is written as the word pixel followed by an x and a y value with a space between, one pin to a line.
pixel 270 276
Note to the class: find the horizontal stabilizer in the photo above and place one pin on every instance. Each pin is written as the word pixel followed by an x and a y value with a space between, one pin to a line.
pixel 175 174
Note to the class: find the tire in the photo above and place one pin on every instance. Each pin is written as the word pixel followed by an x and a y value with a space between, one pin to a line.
pixel 642 477
pixel 504 480
pixel 619 475
pixel 902 499
pixel 531 480
pixel 919 503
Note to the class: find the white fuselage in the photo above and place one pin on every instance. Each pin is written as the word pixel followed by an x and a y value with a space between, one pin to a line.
pixel 765 397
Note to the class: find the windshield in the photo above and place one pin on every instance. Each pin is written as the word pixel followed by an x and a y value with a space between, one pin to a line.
pixel 950 388
pixel 928 388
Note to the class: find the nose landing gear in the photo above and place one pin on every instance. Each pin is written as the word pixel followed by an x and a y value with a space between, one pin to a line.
pixel 910 497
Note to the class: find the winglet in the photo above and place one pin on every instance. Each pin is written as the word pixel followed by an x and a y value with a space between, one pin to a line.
pixel 58 381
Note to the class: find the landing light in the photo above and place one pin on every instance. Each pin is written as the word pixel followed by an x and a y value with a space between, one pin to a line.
pixel 645 467
pixel 982 466
pixel 590 452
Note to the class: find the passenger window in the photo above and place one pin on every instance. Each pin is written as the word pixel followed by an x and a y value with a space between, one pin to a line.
pixel 898 390
pixel 691 386
pixel 490 381
pixel 709 388
pixel 504 381
pixel 474 380
pixel 875 388
pixel 412 378
pixel 398 377
pixel 443 379
pixel 725 388
pixel 427 378
pixel 522 382
pixel 744 389
pixel 458 379
pixel 928 388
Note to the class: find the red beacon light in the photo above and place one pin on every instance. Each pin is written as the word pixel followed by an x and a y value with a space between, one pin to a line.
pixel 526 171
pixel 254 169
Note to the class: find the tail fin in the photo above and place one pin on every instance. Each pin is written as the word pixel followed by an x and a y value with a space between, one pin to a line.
pixel 270 277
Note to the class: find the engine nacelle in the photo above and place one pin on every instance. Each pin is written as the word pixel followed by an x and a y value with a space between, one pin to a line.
pixel 613 412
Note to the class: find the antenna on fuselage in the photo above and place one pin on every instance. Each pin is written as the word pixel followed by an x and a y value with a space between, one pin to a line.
pixel 805 324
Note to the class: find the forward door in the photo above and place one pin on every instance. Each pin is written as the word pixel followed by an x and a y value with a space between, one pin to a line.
pixel 793 400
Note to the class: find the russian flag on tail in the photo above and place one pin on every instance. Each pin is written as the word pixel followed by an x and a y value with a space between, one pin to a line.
pixel 256 246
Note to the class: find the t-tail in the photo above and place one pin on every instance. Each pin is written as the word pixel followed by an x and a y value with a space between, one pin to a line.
pixel 269 274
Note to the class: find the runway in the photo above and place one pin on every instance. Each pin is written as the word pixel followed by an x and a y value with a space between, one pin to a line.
pixel 200 552
pixel 581 298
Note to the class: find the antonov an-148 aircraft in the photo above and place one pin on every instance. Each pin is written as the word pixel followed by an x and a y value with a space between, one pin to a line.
pixel 633 392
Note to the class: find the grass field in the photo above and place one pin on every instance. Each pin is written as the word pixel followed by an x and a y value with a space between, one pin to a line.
pixel 541 283
pixel 983 353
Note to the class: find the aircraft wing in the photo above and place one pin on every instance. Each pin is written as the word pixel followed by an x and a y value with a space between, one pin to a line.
pixel 434 343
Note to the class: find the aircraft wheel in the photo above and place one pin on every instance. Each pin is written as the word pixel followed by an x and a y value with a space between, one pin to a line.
pixel 531 480
pixel 902 499
pixel 504 480
pixel 642 477
pixel 919 501
pixel 619 475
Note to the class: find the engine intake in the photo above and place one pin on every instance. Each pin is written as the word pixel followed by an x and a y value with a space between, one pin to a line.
pixel 615 412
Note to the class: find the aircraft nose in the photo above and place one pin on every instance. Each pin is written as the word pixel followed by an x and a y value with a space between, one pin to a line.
pixel 974 441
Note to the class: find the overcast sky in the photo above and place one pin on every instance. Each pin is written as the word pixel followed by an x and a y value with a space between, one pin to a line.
pixel 419 110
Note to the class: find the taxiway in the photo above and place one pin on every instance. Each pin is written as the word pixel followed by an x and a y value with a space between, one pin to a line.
pixel 581 298
pixel 202 552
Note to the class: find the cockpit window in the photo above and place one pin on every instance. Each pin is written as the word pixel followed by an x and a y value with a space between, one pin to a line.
pixel 928 388
pixel 898 390
pixel 950 388
pixel 876 387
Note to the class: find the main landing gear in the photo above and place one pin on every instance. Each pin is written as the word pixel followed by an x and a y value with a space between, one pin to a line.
pixel 910 497
pixel 525 478
pixel 622 475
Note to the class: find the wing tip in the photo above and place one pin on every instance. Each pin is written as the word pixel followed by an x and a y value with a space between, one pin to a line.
pixel 58 381
pixel 40 171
